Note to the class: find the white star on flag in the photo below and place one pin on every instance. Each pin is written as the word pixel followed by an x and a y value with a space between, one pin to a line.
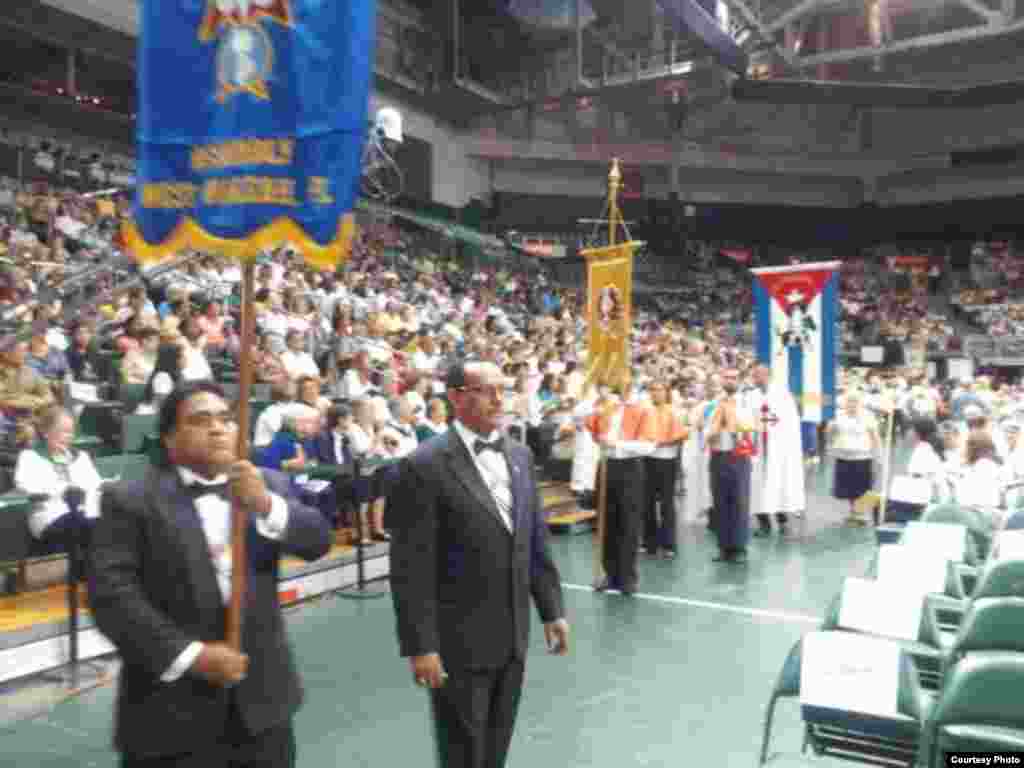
pixel 794 297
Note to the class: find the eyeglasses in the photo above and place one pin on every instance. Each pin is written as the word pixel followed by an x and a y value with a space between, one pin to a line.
pixel 207 421
pixel 496 391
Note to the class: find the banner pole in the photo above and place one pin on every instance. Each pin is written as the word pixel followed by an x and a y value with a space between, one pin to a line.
pixel 614 216
pixel 239 516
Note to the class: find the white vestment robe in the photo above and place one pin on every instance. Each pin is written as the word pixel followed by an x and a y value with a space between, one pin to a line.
pixel 777 472
pixel 697 464
pixel 586 453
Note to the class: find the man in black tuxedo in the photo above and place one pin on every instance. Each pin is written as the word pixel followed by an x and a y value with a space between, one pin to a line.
pixel 160 578
pixel 468 550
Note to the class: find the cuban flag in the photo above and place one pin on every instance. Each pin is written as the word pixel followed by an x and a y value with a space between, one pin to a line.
pixel 796 309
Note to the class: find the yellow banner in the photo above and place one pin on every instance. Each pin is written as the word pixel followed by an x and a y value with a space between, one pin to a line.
pixel 610 310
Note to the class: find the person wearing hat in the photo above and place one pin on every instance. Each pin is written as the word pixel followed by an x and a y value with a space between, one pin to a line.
pixel 469 550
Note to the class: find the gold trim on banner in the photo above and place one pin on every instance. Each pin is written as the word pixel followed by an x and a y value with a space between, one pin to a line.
pixel 191 235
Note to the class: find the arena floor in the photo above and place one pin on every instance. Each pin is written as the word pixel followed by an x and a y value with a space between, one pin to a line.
pixel 678 675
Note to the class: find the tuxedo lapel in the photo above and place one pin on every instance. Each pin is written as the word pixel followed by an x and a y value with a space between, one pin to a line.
pixel 176 506
pixel 517 478
pixel 464 468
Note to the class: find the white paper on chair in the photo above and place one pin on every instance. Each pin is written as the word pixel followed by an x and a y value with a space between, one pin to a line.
pixel 912 568
pixel 883 609
pixel 910 490
pixel 948 540
pixel 315 486
pixel 1009 545
pixel 83 393
pixel 851 673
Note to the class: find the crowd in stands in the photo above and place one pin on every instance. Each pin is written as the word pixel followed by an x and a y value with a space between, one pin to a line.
pixel 353 361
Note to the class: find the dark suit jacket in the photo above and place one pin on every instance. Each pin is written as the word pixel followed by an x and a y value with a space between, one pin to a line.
pixel 461 582
pixel 153 590
pixel 322 449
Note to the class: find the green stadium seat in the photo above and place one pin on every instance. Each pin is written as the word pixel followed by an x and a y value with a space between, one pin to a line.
pixel 134 430
pixel 980 709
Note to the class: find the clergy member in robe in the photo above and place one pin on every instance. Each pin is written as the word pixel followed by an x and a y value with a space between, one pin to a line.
pixel 777 470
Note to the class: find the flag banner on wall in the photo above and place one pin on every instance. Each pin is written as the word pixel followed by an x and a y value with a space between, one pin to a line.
pixel 796 326
pixel 610 310
pixel 252 118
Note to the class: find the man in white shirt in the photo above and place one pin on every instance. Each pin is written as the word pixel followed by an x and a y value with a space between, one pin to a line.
pixel 270 421
pixel 160 578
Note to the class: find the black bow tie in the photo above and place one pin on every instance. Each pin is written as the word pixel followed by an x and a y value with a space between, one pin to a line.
pixel 198 490
pixel 480 446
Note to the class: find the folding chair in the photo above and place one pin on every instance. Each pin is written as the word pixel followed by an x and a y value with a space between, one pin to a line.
pixel 990 624
pixel 980 709
pixel 979 526
pixel 888 735
pixel 944 615
pixel 787 686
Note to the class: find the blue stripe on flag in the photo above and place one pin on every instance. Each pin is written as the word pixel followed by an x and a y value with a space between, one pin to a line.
pixel 829 350
pixel 763 327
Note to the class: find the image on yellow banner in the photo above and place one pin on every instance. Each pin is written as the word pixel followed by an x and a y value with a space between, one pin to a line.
pixel 610 290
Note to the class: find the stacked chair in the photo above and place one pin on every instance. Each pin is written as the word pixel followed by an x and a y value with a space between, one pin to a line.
pixel 935 632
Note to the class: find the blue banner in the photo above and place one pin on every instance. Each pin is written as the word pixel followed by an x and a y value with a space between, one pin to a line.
pixel 252 119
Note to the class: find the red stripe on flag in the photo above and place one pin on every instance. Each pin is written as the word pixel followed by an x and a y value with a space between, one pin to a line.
pixel 286 596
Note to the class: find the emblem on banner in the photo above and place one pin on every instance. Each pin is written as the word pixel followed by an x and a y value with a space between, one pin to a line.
pixel 799 328
pixel 245 55
pixel 609 308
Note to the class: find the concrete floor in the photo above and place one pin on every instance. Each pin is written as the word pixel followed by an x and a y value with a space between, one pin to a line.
pixel 678 675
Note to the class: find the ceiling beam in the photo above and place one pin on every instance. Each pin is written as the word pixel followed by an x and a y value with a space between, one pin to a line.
pixel 688 16
pixel 766 34
pixel 793 14
pixel 806 7
pixel 854 164
pixel 1009 8
pixel 604 40
pixel 918 43
pixel 978 7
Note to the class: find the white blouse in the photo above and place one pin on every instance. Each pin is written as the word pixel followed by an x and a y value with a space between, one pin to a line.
pixel 982 484
pixel 36 474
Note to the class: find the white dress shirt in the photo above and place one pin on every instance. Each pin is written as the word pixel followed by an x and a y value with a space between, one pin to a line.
pixel 492 468
pixel 215 515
